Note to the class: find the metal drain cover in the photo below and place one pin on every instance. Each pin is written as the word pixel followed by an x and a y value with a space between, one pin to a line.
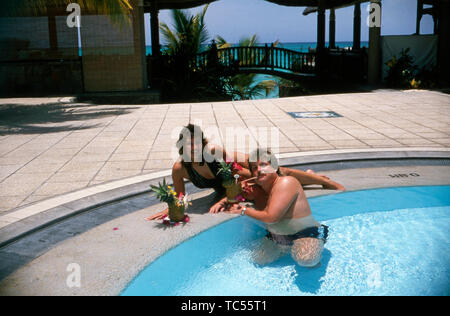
pixel 317 114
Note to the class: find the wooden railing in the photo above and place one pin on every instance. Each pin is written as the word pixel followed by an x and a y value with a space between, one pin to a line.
pixel 268 58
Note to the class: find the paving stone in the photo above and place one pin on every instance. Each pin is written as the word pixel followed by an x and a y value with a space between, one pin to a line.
pixel 382 143
pixel 22 184
pixel 124 165
pixel 49 188
pixel 112 174
pixel 10 202
pixel 62 177
pixel 159 164
pixel 40 166
pixel 342 144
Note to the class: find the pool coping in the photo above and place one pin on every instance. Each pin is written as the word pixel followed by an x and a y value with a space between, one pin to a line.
pixel 25 220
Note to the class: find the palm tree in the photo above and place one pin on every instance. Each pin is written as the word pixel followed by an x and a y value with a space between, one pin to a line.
pixel 179 76
pixel 189 33
pixel 246 86
pixel 117 10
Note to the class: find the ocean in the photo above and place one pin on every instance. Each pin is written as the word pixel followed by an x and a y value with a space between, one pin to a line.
pixel 299 46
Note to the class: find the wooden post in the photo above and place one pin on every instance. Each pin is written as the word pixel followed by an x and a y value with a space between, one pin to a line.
pixel 320 50
pixel 332 40
pixel 139 39
pixel 443 62
pixel 419 16
pixel 374 67
pixel 321 25
pixel 435 18
pixel 52 34
pixel 266 57
pixel 154 25
pixel 357 27
pixel 272 56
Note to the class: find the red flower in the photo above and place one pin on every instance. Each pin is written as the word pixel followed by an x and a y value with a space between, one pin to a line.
pixel 237 166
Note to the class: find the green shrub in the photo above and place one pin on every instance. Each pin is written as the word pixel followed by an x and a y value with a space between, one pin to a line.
pixel 401 71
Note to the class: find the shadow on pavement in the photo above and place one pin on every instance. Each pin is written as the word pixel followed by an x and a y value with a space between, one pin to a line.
pixel 38 119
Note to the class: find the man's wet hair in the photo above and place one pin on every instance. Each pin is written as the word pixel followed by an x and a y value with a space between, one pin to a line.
pixel 265 155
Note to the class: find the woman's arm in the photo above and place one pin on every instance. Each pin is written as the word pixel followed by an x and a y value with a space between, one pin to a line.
pixel 178 176
pixel 307 178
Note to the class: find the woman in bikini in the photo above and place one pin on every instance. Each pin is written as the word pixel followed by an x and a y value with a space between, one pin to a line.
pixel 204 174
pixel 281 204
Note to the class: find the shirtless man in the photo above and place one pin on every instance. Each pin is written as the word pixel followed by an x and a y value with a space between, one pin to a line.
pixel 281 204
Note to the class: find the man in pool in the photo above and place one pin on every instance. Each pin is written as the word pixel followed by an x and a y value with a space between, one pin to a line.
pixel 281 204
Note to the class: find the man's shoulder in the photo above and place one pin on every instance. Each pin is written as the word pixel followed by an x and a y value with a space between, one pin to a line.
pixel 287 182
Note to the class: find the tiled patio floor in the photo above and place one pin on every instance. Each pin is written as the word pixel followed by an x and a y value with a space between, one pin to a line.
pixel 74 146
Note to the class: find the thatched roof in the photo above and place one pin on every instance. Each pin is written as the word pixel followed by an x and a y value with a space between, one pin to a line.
pixel 41 7
pixel 58 7
pixel 310 10
pixel 175 4
pixel 314 3
pixel 183 4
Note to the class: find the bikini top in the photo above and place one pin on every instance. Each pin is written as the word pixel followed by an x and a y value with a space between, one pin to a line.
pixel 203 183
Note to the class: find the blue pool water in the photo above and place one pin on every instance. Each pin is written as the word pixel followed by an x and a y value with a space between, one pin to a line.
pixel 382 242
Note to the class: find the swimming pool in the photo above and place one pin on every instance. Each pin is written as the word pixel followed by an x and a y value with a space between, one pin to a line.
pixel 391 241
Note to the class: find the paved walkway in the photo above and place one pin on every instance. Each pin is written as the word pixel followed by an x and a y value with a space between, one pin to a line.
pixel 58 146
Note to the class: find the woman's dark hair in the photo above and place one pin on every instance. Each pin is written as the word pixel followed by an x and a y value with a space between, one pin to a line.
pixel 192 131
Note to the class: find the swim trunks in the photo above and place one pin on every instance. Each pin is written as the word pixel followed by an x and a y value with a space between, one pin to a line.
pixel 320 232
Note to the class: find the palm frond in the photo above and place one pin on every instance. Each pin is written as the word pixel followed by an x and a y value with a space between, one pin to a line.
pixel 268 86
pixel 188 32
pixel 170 38
pixel 221 42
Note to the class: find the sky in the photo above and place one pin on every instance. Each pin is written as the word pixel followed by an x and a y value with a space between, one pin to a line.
pixel 235 19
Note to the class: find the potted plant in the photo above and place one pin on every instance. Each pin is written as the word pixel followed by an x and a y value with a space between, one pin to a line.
pixel 228 173
pixel 402 71
pixel 177 204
